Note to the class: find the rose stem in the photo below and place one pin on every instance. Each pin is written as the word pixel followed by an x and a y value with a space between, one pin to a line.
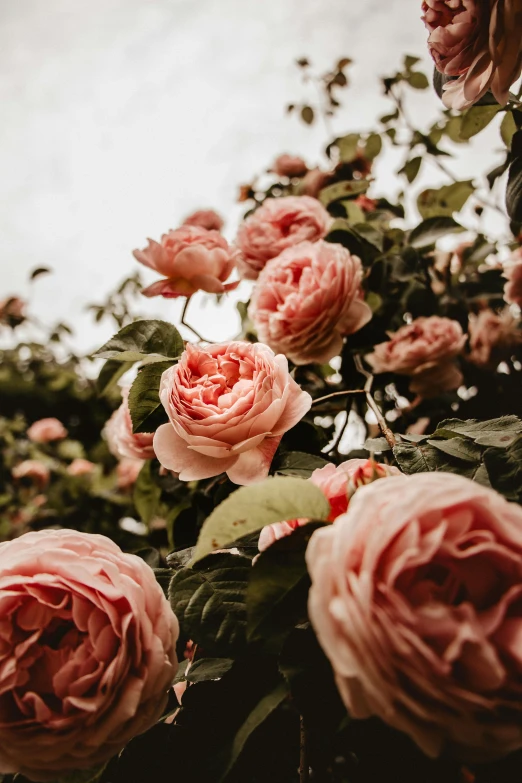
pixel 386 431
pixel 303 754
pixel 183 321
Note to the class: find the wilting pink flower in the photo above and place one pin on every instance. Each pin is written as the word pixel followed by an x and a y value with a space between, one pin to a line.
pixel 228 406
pixel 513 275
pixel 314 181
pixel 278 224
pixel 478 41
pixel 492 337
pixel 205 218
pixel 416 600
pixel 12 311
pixel 34 470
pixel 307 299
pixel 190 259
pixel 365 203
pixel 122 441
pixel 88 652
pixel 80 467
pixel 338 485
pixel 127 471
pixel 424 350
pixel 46 430
pixel 290 166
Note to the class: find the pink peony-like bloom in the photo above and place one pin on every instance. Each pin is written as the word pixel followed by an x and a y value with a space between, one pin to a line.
pixel 416 600
pixel 338 485
pixel 424 350
pixel 205 218
pixel 289 166
pixel 307 299
pixel 513 275
pixel 80 467
pixel 127 471
pixel 190 259
pixel 46 430
pixel 492 337
pixel 88 652
pixel 228 406
pixel 478 41
pixel 278 224
pixel 34 470
pixel 122 441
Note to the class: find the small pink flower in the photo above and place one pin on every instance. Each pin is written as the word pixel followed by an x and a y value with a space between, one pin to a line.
pixel 88 652
pixel 307 299
pixel 314 181
pixel 205 218
pixel 12 311
pixel 278 224
pixel 127 471
pixel 416 600
pixel 492 337
pixel 365 203
pixel 46 430
pixel 290 166
pixel 190 259
pixel 513 275
pixel 228 406
pixel 34 470
pixel 80 467
pixel 338 485
pixel 424 350
pixel 122 441
pixel 478 41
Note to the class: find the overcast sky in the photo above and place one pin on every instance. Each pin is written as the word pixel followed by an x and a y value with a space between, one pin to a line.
pixel 122 116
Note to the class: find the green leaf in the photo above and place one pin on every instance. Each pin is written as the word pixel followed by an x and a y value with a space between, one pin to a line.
pixel 373 146
pixel 209 602
pixel 411 169
pixel 514 186
pixel 432 229
pixel 423 457
pixel 206 669
pixel 461 448
pixel 259 714
pixel 147 493
pixel 299 464
pixel 110 374
pixel 277 590
pixel 504 467
pixel 444 201
pixel 476 119
pixel 250 508
pixel 340 190
pixel 347 146
pixel 145 407
pixel 141 338
pixel 41 270
pixel 376 445
pixel 307 115
pixel 409 61
pixel 508 128
pixel 492 432
pixel 418 80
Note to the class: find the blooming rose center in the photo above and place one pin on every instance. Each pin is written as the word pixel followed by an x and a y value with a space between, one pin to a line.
pixel 218 381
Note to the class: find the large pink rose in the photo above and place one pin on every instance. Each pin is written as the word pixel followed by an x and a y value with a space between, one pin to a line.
pixel 416 599
pixel 228 406
pixel 478 41
pixel 205 218
pixel 46 430
pixel 122 441
pixel 492 337
pixel 513 275
pixel 278 224
pixel 424 350
pixel 290 166
pixel 338 484
pixel 87 655
pixel 306 299
pixel 190 259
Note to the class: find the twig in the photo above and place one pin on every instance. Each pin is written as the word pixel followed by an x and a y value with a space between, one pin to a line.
pixel 386 431
pixel 337 394
pixel 304 768
pixel 183 315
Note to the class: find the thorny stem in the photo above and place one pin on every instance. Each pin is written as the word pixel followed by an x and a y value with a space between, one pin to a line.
pixel 183 315
pixel 386 431
pixel 304 767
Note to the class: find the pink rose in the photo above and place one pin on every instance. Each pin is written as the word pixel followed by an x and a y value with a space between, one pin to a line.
pixel 278 224
pixel 306 299
pixel 205 218
pixel 122 441
pixel 34 470
pixel 190 259
pixel 338 484
pixel 88 651
pixel 289 166
pixel 12 311
pixel 80 467
pixel 492 337
pixel 365 203
pixel 46 430
pixel 228 406
pixel 415 600
pixel 314 181
pixel 425 350
pixel 478 41
pixel 513 275
pixel 127 471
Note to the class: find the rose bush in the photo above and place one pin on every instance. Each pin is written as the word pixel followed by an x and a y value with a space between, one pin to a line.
pixel 416 601
pixel 88 652
pixel 307 299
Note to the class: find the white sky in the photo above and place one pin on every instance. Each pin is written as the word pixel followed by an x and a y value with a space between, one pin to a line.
pixel 122 116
